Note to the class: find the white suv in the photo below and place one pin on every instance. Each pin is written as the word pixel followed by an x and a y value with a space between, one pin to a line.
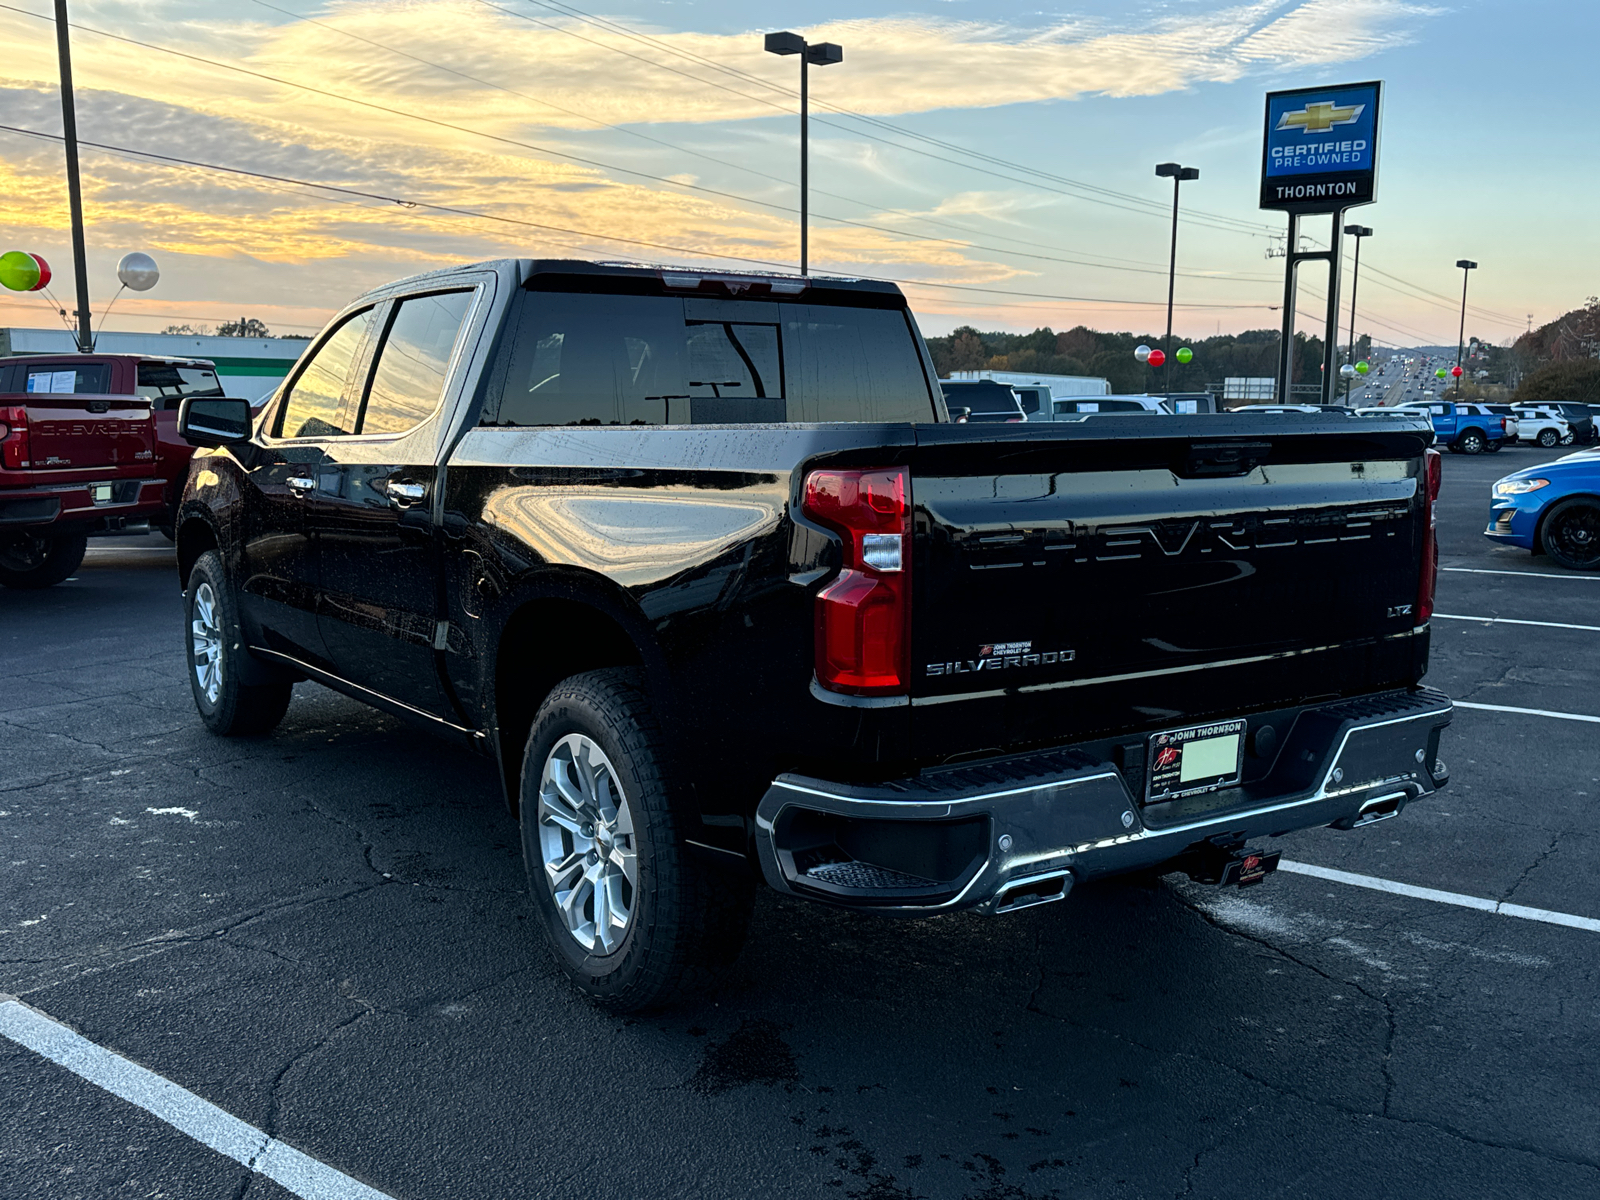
pixel 1545 426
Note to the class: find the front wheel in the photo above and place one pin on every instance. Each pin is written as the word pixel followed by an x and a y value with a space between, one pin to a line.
pixel 1473 442
pixel 1548 438
pixel 228 707
pixel 1571 534
pixel 633 918
pixel 39 561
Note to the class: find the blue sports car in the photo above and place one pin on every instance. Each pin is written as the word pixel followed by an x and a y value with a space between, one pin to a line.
pixel 1554 508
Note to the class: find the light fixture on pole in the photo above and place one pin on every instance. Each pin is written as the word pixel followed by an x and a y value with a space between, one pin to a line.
pixel 1178 175
pixel 822 54
pixel 1467 267
pixel 1358 232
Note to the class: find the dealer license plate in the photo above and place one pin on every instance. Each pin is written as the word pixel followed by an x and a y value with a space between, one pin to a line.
pixel 101 493
pixel 1202 758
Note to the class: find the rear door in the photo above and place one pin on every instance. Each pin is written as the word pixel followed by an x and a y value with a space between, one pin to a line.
pixel 375 506
pixel 281 581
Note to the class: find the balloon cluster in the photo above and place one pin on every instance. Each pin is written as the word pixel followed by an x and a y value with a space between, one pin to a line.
pixel 23 272
pixel 1156 358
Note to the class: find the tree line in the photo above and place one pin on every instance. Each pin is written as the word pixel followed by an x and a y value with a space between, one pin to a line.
pixel 1084 351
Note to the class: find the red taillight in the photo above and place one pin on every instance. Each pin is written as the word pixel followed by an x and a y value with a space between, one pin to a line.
pixel 14 441
pixel 1428 578
pixel 863 624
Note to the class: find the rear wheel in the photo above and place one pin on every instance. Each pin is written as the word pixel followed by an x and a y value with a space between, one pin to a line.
pixel 1548 438
pixel 633 918
pixel 1494 447
pixel 228 707
pixel 40 561
pixel 1473 442
pixel 1571 534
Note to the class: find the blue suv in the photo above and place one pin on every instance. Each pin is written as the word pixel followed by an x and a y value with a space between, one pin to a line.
pixel 1554 507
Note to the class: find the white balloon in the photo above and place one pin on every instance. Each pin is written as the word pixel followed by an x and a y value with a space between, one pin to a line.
pixel 1348 371
pixel 1142 353
pixel 138 271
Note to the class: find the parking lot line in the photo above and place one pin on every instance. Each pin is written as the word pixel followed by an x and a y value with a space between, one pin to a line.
pixel 1499 907
pixel 1528 712
pixel 1513 621
pixel 1528 574
pixel 183 1110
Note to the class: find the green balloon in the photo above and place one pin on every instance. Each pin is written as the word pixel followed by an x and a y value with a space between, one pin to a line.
pixel 1362 367
pixel 18 271
pixel 1439 373
pixel 1185 354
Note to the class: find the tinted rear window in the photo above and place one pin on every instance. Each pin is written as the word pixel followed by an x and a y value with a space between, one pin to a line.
pixel 165 384
pixel 982 398
pixel 1094 406
pixel 583 359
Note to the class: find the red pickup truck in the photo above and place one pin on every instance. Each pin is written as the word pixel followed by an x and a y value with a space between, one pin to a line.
pixel 76 459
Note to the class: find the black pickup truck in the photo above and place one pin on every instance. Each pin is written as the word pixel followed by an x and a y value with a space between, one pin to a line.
pixel 702 561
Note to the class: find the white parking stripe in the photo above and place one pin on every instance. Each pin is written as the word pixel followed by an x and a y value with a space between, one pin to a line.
pixel 1528 712
pixel 1528 574
pixel 1499 907
pixel 183 1110
pixel 1513 621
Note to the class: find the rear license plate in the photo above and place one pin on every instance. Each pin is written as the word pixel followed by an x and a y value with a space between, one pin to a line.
pixel 101 493
pixel 1202 758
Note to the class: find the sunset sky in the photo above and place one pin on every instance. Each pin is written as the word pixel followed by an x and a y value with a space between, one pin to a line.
pixel 996 157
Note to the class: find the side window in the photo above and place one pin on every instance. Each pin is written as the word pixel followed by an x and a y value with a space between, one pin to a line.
pixel 409 379
pixel 595 360
pixel 312 406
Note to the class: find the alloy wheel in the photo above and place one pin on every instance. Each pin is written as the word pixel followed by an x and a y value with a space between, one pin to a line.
pixel 206 641
pixel 586 839
pixel 1576 534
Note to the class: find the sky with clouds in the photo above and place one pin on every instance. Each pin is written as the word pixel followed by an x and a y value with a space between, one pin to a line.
pixel 995 157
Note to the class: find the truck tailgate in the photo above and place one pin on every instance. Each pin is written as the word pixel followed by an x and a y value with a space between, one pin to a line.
pixel 1140 573
pixel 85 432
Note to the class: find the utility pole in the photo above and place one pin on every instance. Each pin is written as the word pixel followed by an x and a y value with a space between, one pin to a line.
pixel 1358 232
pixel 69 129
pixel 1467 267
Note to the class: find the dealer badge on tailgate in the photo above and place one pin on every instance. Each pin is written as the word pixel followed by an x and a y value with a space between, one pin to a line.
pixel 1202 758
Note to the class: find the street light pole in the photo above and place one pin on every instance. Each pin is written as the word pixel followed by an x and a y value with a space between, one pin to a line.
pixel 822 54
pixel 1359 232
pixel 1467 266
pixel 1178 175
pixel 69 129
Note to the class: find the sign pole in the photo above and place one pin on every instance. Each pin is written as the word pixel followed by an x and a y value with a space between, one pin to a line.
pixel 1330 335
pixel 1286 347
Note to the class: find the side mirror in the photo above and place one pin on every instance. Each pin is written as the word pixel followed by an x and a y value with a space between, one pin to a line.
pixel 960 415
pixel 214 420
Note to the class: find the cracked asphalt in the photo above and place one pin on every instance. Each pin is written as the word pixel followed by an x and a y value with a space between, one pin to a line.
pixel 326 933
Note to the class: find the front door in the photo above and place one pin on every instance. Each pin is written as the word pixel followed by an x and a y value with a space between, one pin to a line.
pixel 380 610
pixel 281 582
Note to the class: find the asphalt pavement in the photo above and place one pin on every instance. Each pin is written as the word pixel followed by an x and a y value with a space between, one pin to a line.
pixel 325 934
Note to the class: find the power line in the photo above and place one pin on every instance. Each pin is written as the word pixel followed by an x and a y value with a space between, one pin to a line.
pixel 1155 208
pixel 172 160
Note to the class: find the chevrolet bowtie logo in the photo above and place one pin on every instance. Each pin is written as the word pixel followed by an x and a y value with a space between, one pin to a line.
pixel 1320 117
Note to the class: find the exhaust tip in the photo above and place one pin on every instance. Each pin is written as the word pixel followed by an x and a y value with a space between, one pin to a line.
pixel 1028 892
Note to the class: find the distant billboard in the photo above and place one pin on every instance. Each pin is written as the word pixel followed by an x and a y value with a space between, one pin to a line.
pixel 1240 387
pixel 1320 150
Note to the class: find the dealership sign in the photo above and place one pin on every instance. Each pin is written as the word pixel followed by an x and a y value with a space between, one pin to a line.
pixel 1320 153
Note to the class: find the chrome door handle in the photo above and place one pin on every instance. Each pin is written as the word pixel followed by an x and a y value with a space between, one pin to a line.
pixel 406 493
pixel 299 483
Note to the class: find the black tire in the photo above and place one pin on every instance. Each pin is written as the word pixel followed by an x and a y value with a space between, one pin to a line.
pixel 1570 534
pixel 1472 442
pixel 1548 438
pixel 1495 447
pixel 686 920
pixel 40 561
pixel 228 707
pixel 1567 441
pixel 168 532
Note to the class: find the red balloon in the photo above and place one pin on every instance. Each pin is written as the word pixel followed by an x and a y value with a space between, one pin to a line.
pixel 44 273
pixel 1456 371
pixel 1157 357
